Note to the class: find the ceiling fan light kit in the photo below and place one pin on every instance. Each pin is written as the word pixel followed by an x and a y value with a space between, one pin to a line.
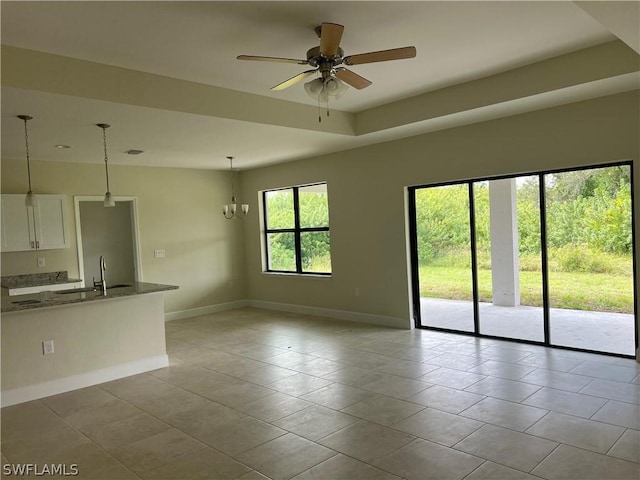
pixel 321 89
pixel 327 58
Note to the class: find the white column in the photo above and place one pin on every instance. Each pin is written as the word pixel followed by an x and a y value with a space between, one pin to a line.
pixel 505 264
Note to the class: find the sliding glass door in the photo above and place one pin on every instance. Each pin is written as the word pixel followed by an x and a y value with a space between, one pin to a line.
pixel 507 216
pixel 443 240
pixel 544 258
pixel 590 259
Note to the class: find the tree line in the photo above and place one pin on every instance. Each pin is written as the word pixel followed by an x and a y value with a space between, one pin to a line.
pixel 587 210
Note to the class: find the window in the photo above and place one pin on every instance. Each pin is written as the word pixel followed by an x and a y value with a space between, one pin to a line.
pixel 296 226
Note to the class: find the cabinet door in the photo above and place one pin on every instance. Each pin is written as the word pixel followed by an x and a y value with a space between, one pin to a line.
pixel 50 221
pixel 43 227
pixel 17 224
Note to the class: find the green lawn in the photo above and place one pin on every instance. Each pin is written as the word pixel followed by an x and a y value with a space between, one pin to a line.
pixel 598 292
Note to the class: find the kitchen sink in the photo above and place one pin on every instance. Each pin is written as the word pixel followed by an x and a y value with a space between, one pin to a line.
pixel 91 289
pixel 75 290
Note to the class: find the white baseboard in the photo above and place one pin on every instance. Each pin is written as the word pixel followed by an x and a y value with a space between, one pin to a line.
pixel 74 382
pixel 404 323
pixel 195 312
pixel 394 322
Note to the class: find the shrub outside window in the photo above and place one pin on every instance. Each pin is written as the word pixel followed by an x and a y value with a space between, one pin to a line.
pixel 297 229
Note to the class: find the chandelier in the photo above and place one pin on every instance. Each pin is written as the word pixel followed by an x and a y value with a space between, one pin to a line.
pixel 231 210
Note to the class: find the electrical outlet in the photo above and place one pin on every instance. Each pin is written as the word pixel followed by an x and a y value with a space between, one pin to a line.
pixel 41 261
pixel 357 291
pixel 158 253
pixel 47 347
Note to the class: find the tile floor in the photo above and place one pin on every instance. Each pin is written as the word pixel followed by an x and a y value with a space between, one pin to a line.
pixel 254 394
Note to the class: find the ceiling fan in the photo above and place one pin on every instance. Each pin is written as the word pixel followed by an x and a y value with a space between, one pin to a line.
pixel 327 59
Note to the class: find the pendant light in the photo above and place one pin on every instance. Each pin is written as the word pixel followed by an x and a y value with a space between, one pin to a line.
pixel 30 199
pixel 109 201
pixel 230 210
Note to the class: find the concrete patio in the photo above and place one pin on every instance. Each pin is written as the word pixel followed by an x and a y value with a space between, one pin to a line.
pixel 598 331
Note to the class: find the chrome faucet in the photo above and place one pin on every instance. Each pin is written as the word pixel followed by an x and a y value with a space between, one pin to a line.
pixel 102 284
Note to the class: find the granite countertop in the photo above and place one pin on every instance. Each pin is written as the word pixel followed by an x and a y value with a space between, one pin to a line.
pixel 37 279
pixel 32 301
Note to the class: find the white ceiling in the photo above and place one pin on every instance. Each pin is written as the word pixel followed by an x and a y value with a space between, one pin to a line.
pixel 198 42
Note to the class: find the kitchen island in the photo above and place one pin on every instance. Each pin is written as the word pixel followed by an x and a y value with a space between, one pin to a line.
pixel 53 342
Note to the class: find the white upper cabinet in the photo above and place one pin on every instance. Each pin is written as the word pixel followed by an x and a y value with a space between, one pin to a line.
pixel 42 227
pixel 17 224
pixel 51 222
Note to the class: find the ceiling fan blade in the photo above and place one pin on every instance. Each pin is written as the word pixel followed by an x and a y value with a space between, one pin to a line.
pixel 330 36
pixel 353 79
pixel 293 80
pixel 381 56
pixel 272 59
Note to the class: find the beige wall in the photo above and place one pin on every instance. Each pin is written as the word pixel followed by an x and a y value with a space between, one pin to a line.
pixel 367 194
pixel 178 210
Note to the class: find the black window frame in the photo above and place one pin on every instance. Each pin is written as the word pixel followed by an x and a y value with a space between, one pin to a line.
pixel 297 230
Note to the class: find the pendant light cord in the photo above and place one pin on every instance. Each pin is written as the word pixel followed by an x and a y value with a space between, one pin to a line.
pixel 106 158
pixel 26 145
pixel 233 190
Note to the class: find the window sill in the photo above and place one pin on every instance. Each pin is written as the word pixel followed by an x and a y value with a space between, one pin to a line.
pixel 297 275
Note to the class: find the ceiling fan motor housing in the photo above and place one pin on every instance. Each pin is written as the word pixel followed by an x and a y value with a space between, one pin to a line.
pixel 316 59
